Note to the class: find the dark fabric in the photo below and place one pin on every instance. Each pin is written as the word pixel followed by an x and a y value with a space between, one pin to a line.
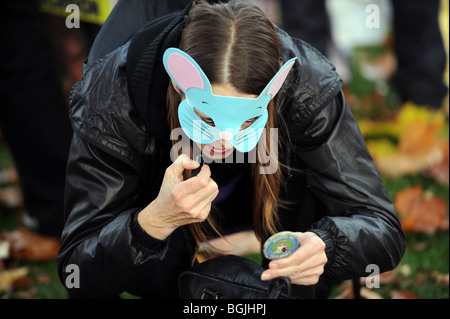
pixel 418 44
pixel 126 19
pixel 33 113
pixel 231 277
pixel 420 52
pixel 307 20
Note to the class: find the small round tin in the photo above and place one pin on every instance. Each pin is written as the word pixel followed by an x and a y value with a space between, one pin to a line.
pixel 281 245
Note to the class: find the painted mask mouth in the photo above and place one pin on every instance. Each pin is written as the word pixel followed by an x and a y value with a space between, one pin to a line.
pixel 218 151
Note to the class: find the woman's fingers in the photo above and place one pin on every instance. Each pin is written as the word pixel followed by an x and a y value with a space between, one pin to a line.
pixel 304 266
pixel 175 171
pixel 193 203
pixel 202 209
pixel 198 182
pixel 179 202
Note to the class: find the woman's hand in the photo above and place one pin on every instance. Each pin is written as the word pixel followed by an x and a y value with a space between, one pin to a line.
pixel 304 266
pixel 179 202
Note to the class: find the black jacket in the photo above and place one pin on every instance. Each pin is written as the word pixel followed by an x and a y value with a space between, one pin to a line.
pixel 121 148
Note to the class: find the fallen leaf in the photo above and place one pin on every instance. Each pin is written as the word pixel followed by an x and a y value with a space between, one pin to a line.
pixel 382 148
pixel 385 278
pixel 347 293
pixel 440 170
pixel 27 245
pixel 400 164
pixel 421 211
pixel 44 278
pixel 420 280
pixel 367 293
pixel 440 278
pixel 11 197
pixel 4 249
pixel 420 246
pixel 388 276
pixel 408 115
pixel 8 277
pixel 21 282
pixel 405 270
pixel 403 294
pixel 379 68
pixel 26 294
pixel 378 128
pixel 9 175
pixel 419 137
pixel 420 146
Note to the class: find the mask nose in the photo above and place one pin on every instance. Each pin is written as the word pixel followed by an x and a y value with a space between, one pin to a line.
pixel 226 136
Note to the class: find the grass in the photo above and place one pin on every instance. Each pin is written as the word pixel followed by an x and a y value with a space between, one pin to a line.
pixel 426 255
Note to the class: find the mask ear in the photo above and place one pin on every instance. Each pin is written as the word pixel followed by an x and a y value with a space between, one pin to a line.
pixel 183 70
pixel 277 81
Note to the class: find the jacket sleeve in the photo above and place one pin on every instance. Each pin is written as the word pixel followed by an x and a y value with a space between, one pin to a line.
pixel 109 175
pixel 361 226
pixel 102 236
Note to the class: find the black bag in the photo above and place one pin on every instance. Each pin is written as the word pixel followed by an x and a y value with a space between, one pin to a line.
pixel 231 277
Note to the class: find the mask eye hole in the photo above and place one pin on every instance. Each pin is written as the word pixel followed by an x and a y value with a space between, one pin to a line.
pixel 205 118
pixel 249 123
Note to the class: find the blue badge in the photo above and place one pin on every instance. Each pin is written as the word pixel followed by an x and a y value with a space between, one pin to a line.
pixel 281 245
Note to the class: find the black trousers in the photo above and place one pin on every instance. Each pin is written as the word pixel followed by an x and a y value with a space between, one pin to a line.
pixel 420 52
pixel 418 43
pixel 307 20
pixel 33 113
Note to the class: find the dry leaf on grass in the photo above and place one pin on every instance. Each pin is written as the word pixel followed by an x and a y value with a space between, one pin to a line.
pixel 379 68
pixel 398 164
pixel 26 294
pixel 420 146
pixel 8 277
pixel 440 278
pixel 9 176
pixel 4 249
pixel 387 277
pixel 440 171
pixel 403 294
pixel 11 197
pixel 27 245
pixel 421 211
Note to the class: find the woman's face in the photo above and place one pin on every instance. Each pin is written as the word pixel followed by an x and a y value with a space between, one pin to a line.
pixel 221 149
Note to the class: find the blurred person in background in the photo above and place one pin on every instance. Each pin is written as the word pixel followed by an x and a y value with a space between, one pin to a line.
pixel 418 43
pixel 35 125
pixel 420 52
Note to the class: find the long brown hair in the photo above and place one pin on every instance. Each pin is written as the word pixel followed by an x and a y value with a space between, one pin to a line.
pixel 236 44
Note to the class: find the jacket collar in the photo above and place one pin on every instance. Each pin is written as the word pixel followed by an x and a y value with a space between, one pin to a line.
pixel 148 81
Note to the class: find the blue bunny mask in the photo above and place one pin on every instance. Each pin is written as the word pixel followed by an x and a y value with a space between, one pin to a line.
pixel 228 113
